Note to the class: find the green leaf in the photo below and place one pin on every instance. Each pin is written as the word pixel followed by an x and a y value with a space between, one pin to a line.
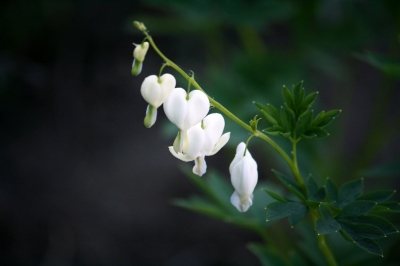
pixel 318 119
pixel 331 190
pixel 349 192
pixel 326 224
pixel 361 231
pixel 275 196
pixel 370 246
pixel 270 110
pixel 269 117
pixel 288 98
pixel 314 193
pixel 332 113
pixel 277 210
pixel 392 206
pixel 289 184
pixel 377 221
pixel 316 132
pixel 286 119
pixel 378 196
pixel 304 123
pixel 266 255
pixel 356 208
pixel 298 95
pixel 272 131
pixel 308 101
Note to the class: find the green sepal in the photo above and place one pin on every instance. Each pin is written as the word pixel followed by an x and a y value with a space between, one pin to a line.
pixel 331 190
pixel 377 221
pixel 275 196
pixel 289 184
pixel 349 192
pixel 326 224
pixel 378 196
pixel 295 210
pixel 356 208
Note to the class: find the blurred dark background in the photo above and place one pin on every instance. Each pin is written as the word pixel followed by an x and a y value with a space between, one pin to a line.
pixel 83 182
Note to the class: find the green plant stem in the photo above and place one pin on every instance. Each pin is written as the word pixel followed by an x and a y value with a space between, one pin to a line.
pixel 291 163
pixel 219 106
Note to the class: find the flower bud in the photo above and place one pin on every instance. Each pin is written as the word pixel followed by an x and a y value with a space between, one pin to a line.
pixel 139 54
pixel 155 91
pixel 185 111
pixel 244 176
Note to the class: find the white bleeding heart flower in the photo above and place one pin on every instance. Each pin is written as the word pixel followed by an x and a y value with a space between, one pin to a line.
pixel 205 139
pixel 155 90
pixel 139 54
pixel 185 111
pixel 244 177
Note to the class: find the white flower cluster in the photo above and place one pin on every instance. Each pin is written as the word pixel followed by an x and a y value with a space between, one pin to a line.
pixel 199 134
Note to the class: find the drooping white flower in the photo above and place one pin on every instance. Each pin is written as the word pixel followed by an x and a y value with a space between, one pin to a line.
pixel 204 139
pixel 139 54
pixel 155 90
pixel 244 176
pixel 185 111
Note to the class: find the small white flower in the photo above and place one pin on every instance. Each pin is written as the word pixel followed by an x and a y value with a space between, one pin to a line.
pixel 185 111
pixel 155 91
pixel 244 176
pixel 204 139
pixel 139 54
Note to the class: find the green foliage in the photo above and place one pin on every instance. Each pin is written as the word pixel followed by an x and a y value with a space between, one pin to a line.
pixel 295 119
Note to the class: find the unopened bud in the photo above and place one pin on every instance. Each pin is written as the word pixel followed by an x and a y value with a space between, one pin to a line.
pixel 139 25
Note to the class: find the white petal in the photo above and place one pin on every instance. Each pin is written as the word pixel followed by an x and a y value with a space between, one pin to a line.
pixel 168 83
pixel 179 155
pixel 140 51
pixel 175 107
pixel 197 108
pixel 238 156
pixel 151 91
pixel 200 166
pixel 213 125
pixel 241 203
pixel 196 138
pixel 221 143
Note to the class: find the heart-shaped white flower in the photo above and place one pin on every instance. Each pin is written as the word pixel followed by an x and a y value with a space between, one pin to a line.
pixel 185 111
pixel 155 90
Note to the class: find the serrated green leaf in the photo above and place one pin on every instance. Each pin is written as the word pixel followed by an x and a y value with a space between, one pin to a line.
pixel 269 117
pixel 331 190
pixel 356 208
pixel 278 210
pixel 288 98
pixel 349 192
pixel 266 255
pixel 378 196
pixel 380 222
pixel 275 195
pixel 326 224
pixel 370 246
pixel 289 184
